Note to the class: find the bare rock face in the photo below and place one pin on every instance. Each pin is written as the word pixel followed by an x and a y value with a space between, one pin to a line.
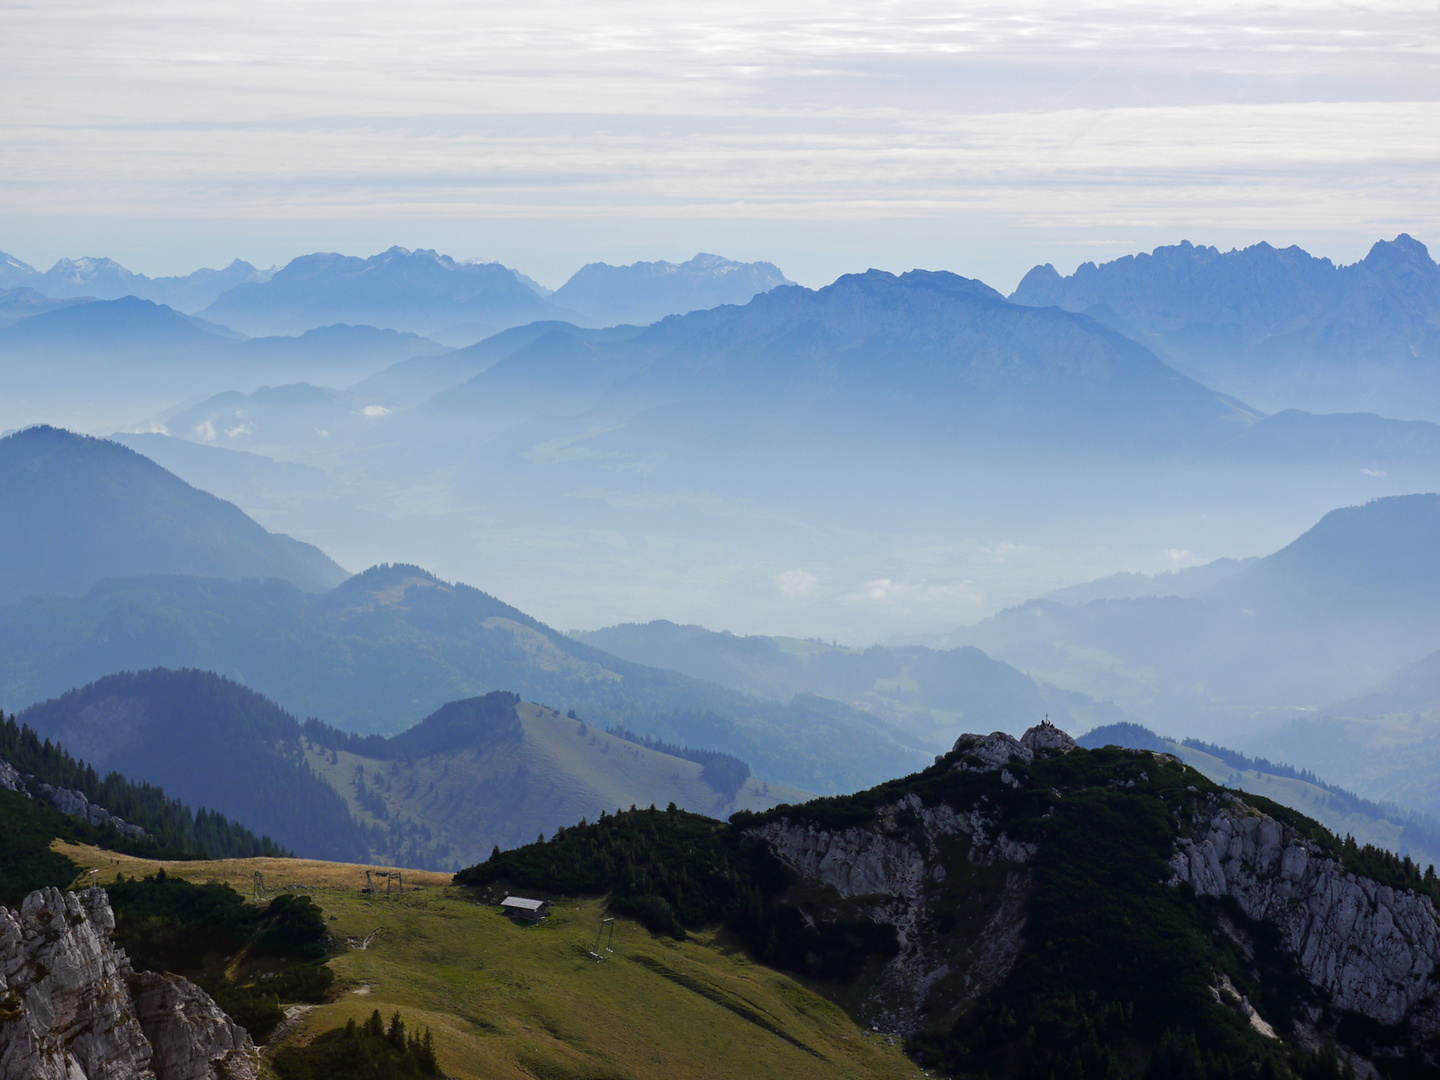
pixel 986 753
pixel 10 777
pixel 1373 948
pixel 75 804
pixel 68 801
pixel 72 1008
pixel 1046 737
pixel 894 868
pixel 66 1004
pixel 191 1039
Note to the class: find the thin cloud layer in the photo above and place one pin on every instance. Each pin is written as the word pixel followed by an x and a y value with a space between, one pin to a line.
pixel 1043 118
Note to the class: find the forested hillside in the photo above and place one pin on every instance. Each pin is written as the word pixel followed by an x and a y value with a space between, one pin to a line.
pixel 393 644
pixel 477 773
pixel 208 742
pixel 169 823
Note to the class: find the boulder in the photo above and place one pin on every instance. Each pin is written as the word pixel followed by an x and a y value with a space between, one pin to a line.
pixel 987 753
pixel 1047 738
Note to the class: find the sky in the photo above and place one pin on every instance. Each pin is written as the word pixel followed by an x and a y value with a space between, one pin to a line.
pixel 824 137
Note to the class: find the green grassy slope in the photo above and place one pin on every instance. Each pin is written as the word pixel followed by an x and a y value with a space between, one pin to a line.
pixel 514 1002
pixel 554 772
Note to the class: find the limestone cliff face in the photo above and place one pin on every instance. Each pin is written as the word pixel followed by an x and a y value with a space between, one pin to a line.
pixel 1372 948
pixel 72 1008
pixel 894 868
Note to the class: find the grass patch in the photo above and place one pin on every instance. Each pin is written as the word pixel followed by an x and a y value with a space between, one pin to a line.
pixel 504 1000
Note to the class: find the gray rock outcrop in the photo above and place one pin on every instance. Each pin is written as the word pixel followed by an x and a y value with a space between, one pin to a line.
pixel 191 1038
pixel 1373 948
pixel 76 805
pixel 894 867
pixel 986 753
pixel 10 779
pixel 1047 738
pixel 72 1008
pixel 68 801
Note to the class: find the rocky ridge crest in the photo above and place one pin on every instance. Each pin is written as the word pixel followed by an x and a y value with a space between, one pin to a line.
pixel 68 801
pixel 1370 949
pixel 892 867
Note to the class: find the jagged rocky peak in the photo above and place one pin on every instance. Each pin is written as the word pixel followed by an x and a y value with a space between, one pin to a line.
pixel 986 753
pixel 1045 737
pixel 72 1007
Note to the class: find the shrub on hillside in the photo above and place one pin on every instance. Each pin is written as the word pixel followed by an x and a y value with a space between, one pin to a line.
pixel 368 1051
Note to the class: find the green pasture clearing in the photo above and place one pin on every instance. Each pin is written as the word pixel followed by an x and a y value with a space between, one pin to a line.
pixel 515 1000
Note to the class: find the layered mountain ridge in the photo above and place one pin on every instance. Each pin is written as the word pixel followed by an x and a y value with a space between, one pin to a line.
pixel 1327 616
pixel 475 773
pixel 84 509
pixel 1277 327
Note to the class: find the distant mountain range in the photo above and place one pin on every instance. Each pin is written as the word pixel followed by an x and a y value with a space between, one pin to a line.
pixel 419 291
pixel 645 292
pixel 78 510
pixel 460 303
pixel 784 429
pixel 389 646
pixel 110 363
pixel 1278 328
pixel 21 303
pixel 131 327
pixel 922 360
pixel 1384 743
pixel 474 774
pixel 933 695
pixel 1328 615
pixel 105 279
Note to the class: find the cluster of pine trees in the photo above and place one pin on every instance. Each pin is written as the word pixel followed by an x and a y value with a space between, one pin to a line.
pixel 200 834
pixel 725 773
pixel 366 1051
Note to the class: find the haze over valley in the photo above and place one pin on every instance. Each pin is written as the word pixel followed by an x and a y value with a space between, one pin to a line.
pixel 738 543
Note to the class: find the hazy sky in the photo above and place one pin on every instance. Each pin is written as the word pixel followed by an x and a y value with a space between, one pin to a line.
pixel 826 137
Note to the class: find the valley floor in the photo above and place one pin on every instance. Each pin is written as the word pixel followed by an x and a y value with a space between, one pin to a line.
pixel 506 1000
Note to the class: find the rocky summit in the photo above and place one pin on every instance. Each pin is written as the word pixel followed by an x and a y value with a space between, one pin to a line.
pixel 1028 907
pixel 73 1008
